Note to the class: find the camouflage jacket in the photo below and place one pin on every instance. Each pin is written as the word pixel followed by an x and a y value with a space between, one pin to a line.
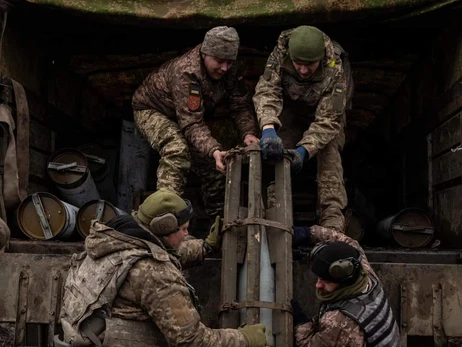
pixel 324 96
pixel 334 328
pixel 182 90
pixel 155 289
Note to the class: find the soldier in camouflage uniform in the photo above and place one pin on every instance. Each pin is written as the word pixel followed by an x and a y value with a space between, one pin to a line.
pixel 354 309
pixel 172 105
pixel 127 288
pixel 303 93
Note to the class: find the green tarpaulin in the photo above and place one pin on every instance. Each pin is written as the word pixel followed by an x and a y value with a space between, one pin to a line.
pixel 203 13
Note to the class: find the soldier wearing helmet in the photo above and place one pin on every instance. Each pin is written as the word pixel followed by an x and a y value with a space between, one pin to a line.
pixel 354 308
pixel 300 101
pixel 127 288
pixel 172 107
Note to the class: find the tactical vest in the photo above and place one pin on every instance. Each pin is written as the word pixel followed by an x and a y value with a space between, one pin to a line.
pixel 91 288
pixel 373 314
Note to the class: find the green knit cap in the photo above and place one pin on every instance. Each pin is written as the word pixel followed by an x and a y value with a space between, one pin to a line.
pixel 306 44
pixel 164 201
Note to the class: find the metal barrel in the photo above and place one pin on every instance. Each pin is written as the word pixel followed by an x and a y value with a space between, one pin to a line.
pixel 68 169
pixel 100 171
pixel 96 158
pixel 354 225
pixel 410 228
pixel 95 209
pixel 42 216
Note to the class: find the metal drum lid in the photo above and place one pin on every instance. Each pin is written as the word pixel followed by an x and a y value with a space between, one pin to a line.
pixel 412 228
pixel 96 158
pixel 67 167
pixel 30 220
pixel 94 209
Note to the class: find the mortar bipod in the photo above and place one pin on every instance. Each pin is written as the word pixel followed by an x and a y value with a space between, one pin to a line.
pixel 257 249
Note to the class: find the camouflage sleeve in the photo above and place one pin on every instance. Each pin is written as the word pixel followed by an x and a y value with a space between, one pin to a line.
pixel 192 253
pixel 334 330
pixel 163 293
pixel 240 104
pixel 268 92
pixel 190 114
pixel 325 234
pixel 329 114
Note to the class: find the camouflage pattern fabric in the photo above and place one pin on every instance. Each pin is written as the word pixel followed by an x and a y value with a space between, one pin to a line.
pixel 311 112
pixel 334 329
pixel 156 292
pixel 166 138
pixel 213 184
pixel 176 160
pixel 221 42
pixel 182 91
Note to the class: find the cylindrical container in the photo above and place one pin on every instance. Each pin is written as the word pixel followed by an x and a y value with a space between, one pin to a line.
pixel 95 209
pixel 100 171
pixel 354 225
pixel 409 228
pixel 68 169
pixel 42 216
pixel 96 158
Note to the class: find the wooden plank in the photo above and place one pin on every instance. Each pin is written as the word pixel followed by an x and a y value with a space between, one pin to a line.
pixel 228 293
pixel 254 238
pixel 447 135
pixel 448 217
pixel 40 136
pixel 38 164
pixel 447 167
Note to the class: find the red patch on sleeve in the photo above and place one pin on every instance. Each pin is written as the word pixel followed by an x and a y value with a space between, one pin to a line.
pixel 194 101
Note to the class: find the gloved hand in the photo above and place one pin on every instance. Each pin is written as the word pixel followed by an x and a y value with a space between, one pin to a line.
pixel 214 237
pixel 254 334
pixel 298 157
pixel 302 235
pixel 271 145
pixel 299 316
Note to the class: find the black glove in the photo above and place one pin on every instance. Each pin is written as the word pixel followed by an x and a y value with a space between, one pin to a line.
pixel 302 236
pixel 271 145
pixel 299 316
pixel 298 157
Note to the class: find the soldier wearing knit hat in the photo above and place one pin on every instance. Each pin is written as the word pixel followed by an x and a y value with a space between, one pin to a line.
pixel 301 102
pixel 354 308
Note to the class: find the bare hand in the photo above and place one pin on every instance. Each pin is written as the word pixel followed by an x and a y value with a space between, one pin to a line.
pixel 219 157
pixel 249 139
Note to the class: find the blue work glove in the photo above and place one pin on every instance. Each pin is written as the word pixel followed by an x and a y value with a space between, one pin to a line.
pixel 298 157
pixel 271 145
pixel 299 316
pixel 302 236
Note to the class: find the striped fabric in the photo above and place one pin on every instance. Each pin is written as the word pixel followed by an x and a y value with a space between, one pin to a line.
pixel 373 313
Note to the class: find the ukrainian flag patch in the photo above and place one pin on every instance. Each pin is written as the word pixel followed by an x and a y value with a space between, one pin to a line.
pixel 339 89
pixel 195 90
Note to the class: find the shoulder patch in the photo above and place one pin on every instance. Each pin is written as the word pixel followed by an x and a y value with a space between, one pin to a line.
pixel 194 98
pixel 338 89
pixel 332 63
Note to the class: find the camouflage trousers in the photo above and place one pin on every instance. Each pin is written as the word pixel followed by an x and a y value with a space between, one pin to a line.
pixel 177 159
pixel 332 197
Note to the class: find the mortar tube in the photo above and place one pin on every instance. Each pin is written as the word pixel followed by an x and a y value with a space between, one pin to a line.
pixel 267 287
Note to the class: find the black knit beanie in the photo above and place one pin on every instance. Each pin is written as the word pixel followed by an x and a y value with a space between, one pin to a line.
pixel 332 252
